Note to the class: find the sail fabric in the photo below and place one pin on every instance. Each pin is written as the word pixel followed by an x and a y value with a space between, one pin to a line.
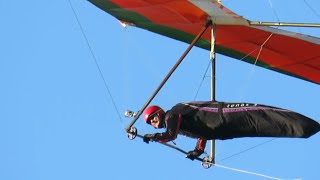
pixel 283 51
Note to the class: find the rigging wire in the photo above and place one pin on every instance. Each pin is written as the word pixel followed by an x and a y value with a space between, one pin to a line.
pixel 250 74
pixel 256 60
pixel 95 60
pixel 109 92
pixel 252 71
pixel 248 172
pixel 274 11
pixel 248 149
pixel 204 76
pixel 268 141
pixel 314 11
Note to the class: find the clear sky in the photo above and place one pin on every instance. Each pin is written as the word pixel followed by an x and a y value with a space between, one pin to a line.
pixel 58 121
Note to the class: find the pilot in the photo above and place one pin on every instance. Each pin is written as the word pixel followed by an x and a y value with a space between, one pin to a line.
pixel 220 120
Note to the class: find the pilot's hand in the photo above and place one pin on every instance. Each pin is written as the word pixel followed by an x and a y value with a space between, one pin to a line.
pixel 194 154
pixel 148 137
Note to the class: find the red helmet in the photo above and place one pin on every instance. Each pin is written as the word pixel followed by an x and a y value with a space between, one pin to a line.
pixel 152 110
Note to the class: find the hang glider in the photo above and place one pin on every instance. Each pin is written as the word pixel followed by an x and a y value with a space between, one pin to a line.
pixel 258 43
pixel 283 51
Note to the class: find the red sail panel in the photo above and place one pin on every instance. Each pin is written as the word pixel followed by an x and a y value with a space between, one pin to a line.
pixel 286 52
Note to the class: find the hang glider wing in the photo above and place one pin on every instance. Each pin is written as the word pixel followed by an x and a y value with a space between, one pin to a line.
pixel 283 51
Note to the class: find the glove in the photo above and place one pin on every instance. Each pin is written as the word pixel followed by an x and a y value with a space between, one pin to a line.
pixel 194 154
pixel 149 137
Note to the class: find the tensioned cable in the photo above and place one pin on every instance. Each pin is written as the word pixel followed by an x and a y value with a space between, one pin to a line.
pixel 248 172
pixel 95 61
pixel 311 8
pixel 265 142
pixel 256 60
pixel 274 11
pixel 248 149
pixel 204 76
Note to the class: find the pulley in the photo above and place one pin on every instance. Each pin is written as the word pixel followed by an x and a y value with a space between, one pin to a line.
pixel 207 162
pixel 132 133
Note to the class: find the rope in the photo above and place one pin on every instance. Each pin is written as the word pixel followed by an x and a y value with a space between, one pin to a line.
pixel 95 60
pixel 248 172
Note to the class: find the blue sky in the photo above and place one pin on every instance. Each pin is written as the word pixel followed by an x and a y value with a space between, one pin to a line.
pixel 58 121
